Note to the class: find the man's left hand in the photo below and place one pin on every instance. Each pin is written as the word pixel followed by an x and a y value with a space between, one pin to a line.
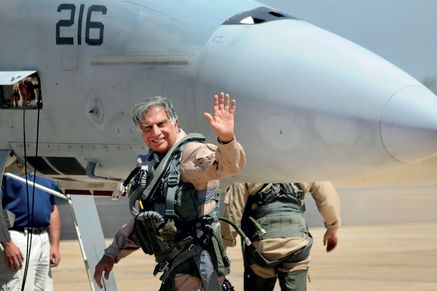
pixel 330 240
pixel 55 257
pixel 222 122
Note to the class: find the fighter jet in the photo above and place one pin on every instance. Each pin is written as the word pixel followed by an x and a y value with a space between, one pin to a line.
pixel 311 105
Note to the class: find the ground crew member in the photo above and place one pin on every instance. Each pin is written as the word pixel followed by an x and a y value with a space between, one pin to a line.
pixel 176 220
pixel 272 216
pixel 36 223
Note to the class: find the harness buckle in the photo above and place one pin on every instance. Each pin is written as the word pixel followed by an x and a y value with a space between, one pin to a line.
pixel 161 267
pixel 173 179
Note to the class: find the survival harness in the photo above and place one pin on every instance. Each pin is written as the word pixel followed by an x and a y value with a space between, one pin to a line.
pixel 260 220
pixel 167 221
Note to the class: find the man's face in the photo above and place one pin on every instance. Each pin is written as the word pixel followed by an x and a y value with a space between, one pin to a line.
pixel 158 132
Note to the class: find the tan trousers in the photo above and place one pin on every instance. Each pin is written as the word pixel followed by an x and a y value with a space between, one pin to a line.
pixel 38 274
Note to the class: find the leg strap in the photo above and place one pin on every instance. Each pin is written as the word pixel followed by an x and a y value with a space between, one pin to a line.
pixel 207 272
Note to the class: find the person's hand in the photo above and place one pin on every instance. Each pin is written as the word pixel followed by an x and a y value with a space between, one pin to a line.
pixel 55 256
pixel 222 123
pixel 330 240
pixel 105 266
pixel 13 256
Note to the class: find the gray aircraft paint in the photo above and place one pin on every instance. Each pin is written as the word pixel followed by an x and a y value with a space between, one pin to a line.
pixel 305 96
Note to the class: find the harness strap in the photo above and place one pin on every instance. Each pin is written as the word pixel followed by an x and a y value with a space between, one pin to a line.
pixel 280 191
pixel 182 252
pixel 185 255
pixel 221 247
pixel 203 263
pixel 169 202
pixel 160 170
pixel 172 183
pixel 208 275
pixel 294 257
pixel 195 247
pixel 165 161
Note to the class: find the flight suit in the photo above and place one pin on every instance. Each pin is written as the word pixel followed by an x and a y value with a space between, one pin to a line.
pixel 279 246
pixel 202 165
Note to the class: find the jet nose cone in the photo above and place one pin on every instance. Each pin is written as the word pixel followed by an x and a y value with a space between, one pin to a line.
pixel 409 125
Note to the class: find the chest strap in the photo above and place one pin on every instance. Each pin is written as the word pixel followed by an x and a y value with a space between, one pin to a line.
pixel 173 180
pixel 161 170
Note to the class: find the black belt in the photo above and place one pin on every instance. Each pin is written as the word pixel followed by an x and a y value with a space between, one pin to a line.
pixel 33 230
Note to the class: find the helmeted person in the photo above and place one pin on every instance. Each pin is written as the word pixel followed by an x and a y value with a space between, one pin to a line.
pixel 176 190
pixel 272 217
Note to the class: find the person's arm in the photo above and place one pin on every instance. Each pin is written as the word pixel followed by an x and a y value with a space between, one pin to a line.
pixel 123 244
pixel 4 227
pixel 235 203
pixel 54 236
pixel 328 204
pixel 203 163
pixel 104 267
pixel 229 157
pixel 4 232
pixel 11 253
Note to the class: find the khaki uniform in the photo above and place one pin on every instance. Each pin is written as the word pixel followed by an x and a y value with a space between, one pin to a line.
pixel 202 165
pixel 327 202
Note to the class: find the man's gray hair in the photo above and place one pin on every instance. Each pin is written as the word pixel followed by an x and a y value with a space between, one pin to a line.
pixel 144 106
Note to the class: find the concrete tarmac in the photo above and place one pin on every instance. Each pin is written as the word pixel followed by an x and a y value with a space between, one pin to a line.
pixel 388 242
pixel 380 257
